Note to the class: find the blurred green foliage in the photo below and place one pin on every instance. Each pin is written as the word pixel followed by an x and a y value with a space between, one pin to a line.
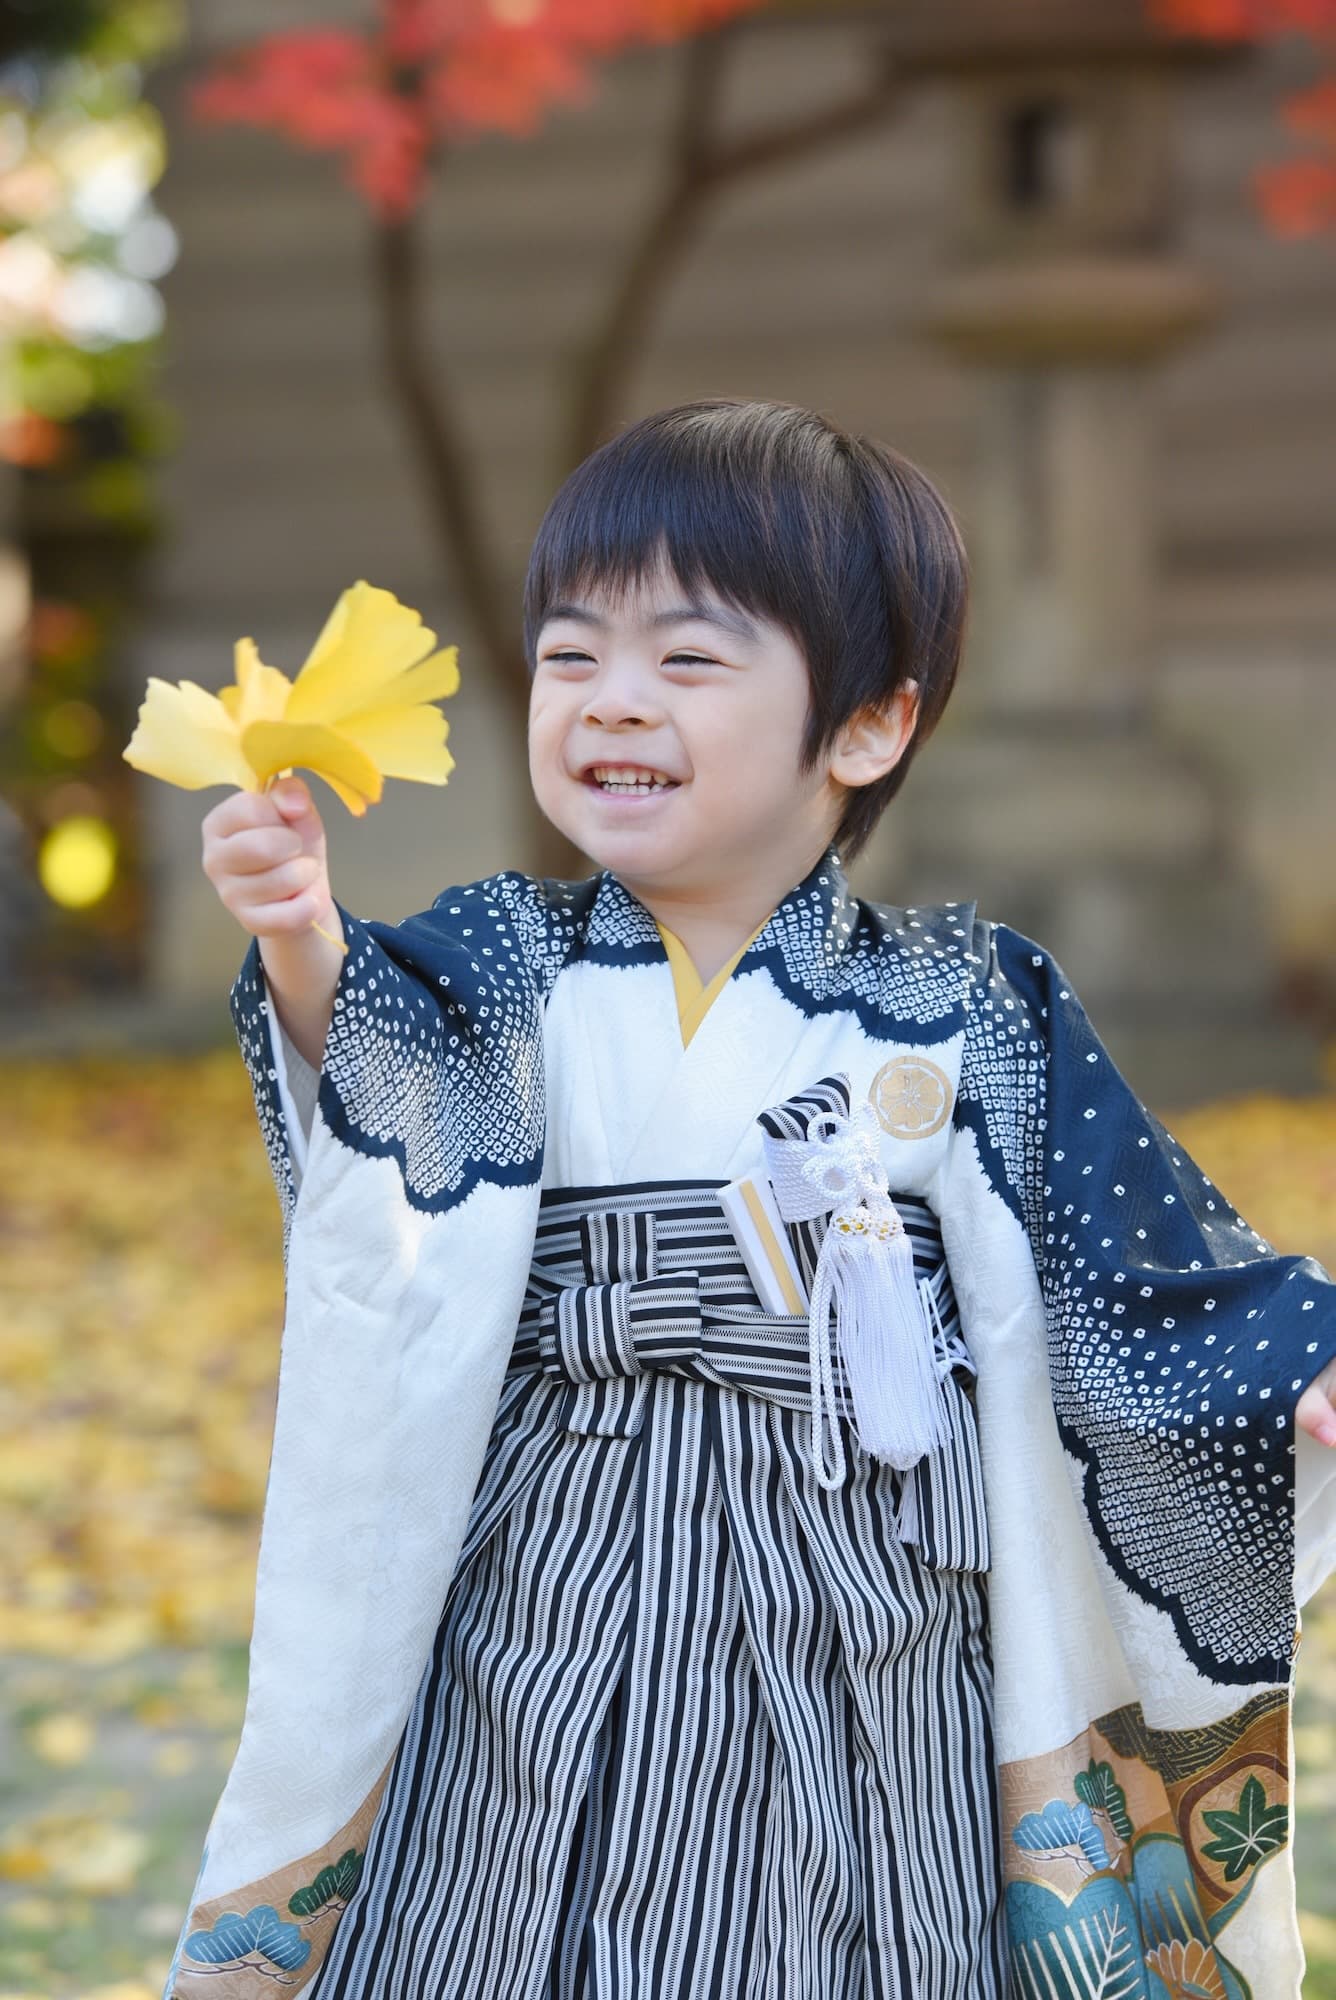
pixel 82 247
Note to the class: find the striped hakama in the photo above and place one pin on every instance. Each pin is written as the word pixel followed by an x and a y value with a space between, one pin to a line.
pixel 692 1723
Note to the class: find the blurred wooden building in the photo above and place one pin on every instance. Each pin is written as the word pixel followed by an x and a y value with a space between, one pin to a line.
pixel 829 282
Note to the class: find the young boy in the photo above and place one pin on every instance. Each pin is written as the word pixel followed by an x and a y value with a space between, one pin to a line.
pixel 614 1634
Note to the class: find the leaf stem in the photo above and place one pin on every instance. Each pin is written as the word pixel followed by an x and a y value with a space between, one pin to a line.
pixel 342 943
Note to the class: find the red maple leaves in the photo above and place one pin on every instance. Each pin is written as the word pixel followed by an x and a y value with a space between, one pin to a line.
pixel 1298 197
pixel 434 71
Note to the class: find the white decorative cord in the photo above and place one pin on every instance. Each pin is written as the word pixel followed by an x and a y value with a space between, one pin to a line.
pixel 865 1271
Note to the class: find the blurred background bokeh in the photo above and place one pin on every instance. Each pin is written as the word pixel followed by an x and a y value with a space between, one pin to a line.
pixel 278 311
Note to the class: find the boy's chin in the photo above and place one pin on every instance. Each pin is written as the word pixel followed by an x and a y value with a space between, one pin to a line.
pixel 642 854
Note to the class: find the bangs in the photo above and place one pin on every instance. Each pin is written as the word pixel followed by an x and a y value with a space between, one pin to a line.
pixel 721 503
pixel 839 541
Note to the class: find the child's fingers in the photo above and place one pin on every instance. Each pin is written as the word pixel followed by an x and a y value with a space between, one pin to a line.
pixel 240 808
pixel 290 878
pixel 256 849
pixel 297 913
pixel 264 853
pixel 292 796
pixel 1314 1413
pixel 253 899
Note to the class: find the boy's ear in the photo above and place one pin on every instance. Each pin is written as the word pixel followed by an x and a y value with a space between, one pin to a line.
pixel 873 741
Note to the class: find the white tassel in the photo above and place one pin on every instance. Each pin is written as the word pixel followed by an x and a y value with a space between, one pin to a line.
pixel 866 1271
pixel 932 1312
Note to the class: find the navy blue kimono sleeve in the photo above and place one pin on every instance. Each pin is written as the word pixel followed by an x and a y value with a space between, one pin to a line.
pixel 434 1051
pixel 1179 1339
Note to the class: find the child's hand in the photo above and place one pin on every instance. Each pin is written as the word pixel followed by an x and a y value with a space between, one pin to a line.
pixel 264 852
pixel 1314 1411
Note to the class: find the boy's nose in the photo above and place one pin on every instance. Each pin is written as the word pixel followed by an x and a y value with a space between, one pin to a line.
pixel 615 705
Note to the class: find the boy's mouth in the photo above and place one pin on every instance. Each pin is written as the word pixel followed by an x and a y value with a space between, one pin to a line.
pixel 628 781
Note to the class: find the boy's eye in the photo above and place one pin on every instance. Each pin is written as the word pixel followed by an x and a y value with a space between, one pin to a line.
pixel 670 660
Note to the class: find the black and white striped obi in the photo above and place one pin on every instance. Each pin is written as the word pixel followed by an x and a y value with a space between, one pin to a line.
pixel 692 1724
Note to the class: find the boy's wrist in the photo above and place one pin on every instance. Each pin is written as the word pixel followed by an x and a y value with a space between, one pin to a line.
pixel 302 971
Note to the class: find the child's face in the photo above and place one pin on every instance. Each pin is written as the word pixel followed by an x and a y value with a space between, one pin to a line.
pixel 705 696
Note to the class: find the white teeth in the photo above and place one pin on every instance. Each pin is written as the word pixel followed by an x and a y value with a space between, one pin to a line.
pixel 636 778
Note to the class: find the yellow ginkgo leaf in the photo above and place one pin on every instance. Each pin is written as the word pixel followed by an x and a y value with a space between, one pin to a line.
pixel 102 1858
pixel 65 1738
pixel 404 742
pixel 359 711
pixel 355 801
pixel 21 1861
pixel 271 747
pixel 369 643
pixel 431 680
pixel 185 735
pixel 261 693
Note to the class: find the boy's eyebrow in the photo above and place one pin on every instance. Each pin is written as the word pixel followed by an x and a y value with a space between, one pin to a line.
pixel 709 614
pixel 678 614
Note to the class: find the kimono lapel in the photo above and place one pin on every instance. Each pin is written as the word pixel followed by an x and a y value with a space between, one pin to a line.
pixel 701 1108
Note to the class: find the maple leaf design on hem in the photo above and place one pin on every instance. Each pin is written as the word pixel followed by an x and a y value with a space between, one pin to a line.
pixel 1247 1835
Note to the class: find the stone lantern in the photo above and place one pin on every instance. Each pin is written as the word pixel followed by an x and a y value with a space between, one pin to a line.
pixel 1051 793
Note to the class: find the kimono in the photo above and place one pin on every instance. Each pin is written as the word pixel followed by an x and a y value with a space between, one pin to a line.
pixel 574 1672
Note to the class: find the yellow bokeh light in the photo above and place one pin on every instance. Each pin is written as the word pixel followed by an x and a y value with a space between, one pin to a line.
pixel 76 862
pixel 73 728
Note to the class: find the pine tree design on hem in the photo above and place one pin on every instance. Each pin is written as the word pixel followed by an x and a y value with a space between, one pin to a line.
pixel 1097 1788
pixel 275 1931
pixel 264 1942
pixel 259 1939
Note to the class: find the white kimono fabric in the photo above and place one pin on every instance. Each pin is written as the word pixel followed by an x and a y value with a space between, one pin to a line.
pixel 1153 1519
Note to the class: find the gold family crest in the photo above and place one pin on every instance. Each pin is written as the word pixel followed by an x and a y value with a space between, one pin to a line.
pixel 911 1096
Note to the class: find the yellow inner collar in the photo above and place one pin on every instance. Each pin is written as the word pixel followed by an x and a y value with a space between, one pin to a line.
pixel 693 999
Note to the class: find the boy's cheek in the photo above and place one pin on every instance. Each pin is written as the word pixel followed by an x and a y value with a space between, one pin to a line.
pixel 544 760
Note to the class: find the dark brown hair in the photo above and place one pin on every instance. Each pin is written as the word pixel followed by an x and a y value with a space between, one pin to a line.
pixel 837 539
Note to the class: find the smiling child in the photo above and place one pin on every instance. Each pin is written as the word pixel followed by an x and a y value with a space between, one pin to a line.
pixel 786 1479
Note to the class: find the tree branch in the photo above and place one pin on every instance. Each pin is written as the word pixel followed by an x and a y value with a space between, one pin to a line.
pixel 841 120
pixel 698 171
pixel 602 365
pixel 434 435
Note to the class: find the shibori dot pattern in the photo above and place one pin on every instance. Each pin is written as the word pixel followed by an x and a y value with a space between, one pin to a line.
pixel 826 950
pixel 435 1052
pixel 248 1016
pixel 434 1055
pixel 1179 1341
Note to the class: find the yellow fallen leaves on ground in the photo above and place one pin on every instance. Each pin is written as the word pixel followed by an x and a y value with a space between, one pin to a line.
pixel 117 1991
pixel 140 1262
pixel 73 1850
pixel 63 1738
pixel 120 1989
